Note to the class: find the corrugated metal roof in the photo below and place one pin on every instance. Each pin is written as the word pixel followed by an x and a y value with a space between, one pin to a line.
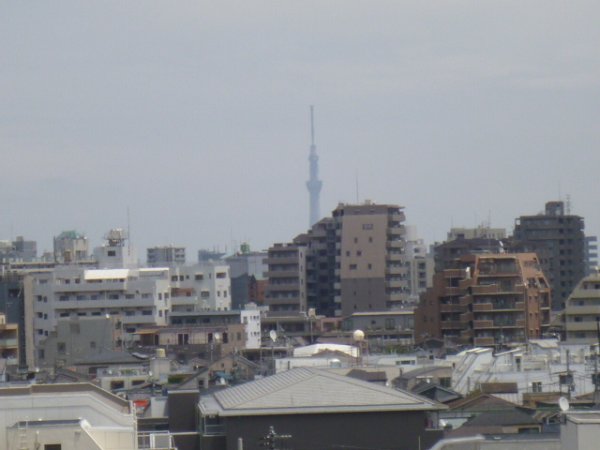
pixel 308 390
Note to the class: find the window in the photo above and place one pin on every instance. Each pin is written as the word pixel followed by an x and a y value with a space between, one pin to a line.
pixel 199 277
pixel 52 446
pixel 221 275
pixel 61 347
pixel 536 386
pixel 111 253
pixel 352 267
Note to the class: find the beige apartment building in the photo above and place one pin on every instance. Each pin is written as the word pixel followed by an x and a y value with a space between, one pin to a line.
pixel 582 310
pixel 370 270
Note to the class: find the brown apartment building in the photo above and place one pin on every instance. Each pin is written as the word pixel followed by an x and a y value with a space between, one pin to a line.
pixel 486 300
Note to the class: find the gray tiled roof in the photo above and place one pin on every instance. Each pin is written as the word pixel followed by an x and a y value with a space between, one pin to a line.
pixel 308 390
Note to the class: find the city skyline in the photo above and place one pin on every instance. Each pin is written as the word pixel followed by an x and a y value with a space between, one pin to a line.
pixel 194 117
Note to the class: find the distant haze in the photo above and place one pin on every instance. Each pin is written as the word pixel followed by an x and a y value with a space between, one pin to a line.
pixel 195 115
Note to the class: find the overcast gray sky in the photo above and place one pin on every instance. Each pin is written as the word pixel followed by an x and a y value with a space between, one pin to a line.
pixel 195 114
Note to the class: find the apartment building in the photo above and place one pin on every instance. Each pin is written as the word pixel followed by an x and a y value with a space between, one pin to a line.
pixel 558 239
pixel 66 416
pixel 486 300
pixel 370 268
pixel 286 289
pixel 419 265
pixel 247 271
pixel 9 342
pixel 205 286
pixel 139 297
pixel 165 256
pixel 352 261
pixel 70 246
pixel 582 311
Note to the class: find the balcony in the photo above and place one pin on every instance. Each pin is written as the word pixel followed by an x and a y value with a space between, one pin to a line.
pixel 484 341
pixel 478 307
pixel 483 324
pixel 451 308
pixel 452 324
pixel 282 273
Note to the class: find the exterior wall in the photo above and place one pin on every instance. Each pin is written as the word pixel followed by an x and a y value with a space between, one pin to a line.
pixel 62 403
pixel 165 256
pixel 70 246
pixel 371 263
pixel 286 289
pixel 204 286
pixel 559 241
pixel 354 430
pixel 138 297
pixel 582 309
pixel 482 231
pixel 487 300
pixel 77 338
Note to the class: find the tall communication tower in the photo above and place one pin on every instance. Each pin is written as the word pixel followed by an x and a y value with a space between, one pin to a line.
pixel 313 184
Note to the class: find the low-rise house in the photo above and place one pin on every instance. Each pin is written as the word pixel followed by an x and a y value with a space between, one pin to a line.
pixel 317 408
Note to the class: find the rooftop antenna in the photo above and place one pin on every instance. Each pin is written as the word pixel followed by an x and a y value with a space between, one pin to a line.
pixel 357 192
pixel 568 205
pixel 128 233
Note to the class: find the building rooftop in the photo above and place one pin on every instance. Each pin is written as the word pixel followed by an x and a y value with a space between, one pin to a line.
pixel 306 391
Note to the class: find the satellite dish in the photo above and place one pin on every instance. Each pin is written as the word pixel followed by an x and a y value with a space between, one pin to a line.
pixel 563 403
pixel 273 335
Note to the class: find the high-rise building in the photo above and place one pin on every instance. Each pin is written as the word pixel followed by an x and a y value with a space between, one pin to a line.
pixel 486 300
pixel 419 264
pixel 168 255
pixel 286 289
pixel 558 239
pixel 446 253
pixel 313 184
pixel 370 267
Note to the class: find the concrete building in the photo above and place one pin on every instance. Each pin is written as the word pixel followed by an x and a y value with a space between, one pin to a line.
pixel 558 239
pixel 370 269
pixel 419 264
pixel 116 252
pixel 247 272
pixel 9 342
pixel 486 300
pixel 18 250
pixel 591 254
pixel 70 247
pixel 483 231
pixel 204 286
pixel 383 328
pixel 317 409
pixel 65 416
pixel 581 311
pixel 165 256
pixel 138 297
pixel 286 289
pixel 250 317
pixel 446 253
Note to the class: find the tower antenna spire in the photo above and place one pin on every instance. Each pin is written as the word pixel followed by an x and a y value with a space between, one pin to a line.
pixel 313 184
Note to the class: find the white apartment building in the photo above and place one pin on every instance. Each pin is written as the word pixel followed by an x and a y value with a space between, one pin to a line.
pixel 205 286
pixel 139 297
pixel 65 416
